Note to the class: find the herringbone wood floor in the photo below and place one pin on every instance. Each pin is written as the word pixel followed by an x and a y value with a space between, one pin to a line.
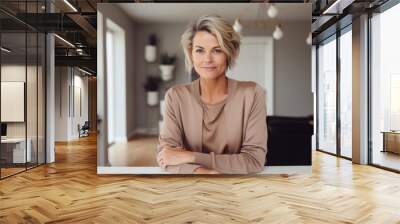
pixel 70 191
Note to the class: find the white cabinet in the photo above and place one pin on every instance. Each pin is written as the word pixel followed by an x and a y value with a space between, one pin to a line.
pixel 17 145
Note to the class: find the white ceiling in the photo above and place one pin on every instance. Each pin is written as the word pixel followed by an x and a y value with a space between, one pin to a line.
pixel 183 12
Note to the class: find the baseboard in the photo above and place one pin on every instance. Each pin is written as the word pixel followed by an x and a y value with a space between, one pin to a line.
pixel 140 131
pixel 61 140
pixel 120 140
pixel 143 131
pixel 153 131
pixel 73 137
pixel 132 135
pixel 313 142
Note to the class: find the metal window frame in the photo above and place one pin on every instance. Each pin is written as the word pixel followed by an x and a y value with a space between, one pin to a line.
pixel 333 37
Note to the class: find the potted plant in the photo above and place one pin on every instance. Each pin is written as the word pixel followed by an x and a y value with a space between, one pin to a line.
pixel 167 66
pixel 151 86
pixel 150 51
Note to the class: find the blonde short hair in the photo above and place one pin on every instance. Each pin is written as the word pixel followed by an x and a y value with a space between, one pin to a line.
pixel 227 37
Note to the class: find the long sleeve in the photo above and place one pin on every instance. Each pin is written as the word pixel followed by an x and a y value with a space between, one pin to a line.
pixel 251 158
pixel 171 133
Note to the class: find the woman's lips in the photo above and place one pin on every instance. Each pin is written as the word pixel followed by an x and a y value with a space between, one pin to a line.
pixel 209 68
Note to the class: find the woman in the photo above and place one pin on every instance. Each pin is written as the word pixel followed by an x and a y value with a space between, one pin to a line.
pixel 214 124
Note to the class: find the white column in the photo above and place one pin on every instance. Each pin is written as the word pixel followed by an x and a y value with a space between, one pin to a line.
pixel 360 90
pixel 50 99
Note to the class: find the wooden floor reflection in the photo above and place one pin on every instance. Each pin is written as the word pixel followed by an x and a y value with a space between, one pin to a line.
pixel 140 151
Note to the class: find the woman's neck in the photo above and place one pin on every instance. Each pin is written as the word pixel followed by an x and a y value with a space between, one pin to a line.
pixel 213 90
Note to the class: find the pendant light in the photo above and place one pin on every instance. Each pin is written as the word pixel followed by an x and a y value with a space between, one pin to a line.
pixel 272 11
pixel 237 26
pixel 277 34
pixel 309 39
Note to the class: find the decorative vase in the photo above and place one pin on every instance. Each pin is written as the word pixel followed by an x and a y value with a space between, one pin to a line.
pixel 152 98
pixel 150 53
pixel 166 72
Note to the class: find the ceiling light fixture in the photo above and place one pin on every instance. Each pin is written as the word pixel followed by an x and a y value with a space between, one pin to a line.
pixel 70 5
pixel 237 26
pixel 337 7
pixel 272 11
pixel 261 21
pixel 309 39
pixel 64 40
pixel 5 50
pixel 277 34
pixel 84 71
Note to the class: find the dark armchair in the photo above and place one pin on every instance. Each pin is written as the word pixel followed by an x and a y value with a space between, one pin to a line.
pixel 84 130
pixel 289 141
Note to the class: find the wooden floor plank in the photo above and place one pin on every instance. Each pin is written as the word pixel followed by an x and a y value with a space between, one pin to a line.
pixel 70 191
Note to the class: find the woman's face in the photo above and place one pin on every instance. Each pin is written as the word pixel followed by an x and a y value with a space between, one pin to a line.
pixel 209 60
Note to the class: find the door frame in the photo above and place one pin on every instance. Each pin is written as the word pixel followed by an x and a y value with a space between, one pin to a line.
pixel 269 70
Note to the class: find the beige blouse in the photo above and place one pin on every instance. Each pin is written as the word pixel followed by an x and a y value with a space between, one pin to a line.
pixel 214 139
pixel 230 137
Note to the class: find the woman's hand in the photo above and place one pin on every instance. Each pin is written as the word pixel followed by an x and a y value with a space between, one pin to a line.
pixel 202 170
pixel 174 156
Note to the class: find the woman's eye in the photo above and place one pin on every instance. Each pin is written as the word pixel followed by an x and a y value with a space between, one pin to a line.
pixel 217 51
pixel 199 51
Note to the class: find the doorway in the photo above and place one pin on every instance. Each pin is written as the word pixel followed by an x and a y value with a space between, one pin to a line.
pixel 256 55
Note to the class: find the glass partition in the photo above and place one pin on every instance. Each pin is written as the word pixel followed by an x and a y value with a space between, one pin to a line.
pixel 385 89
pixel 327 96
pixel 346 93
pixel 13 109
pixel 31 99
pixel 22 90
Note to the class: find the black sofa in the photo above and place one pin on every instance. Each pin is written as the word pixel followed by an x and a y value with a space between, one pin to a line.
pixel 289 141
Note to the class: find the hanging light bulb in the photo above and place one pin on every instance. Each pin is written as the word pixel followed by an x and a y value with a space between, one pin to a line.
pixel 237 26
pixel 309 39
pixel 272 11
pixel 277 34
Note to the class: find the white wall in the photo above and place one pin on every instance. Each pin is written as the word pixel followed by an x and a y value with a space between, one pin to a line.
pixel 33 106
pixel 292 68
pixel 66 119
pixel 80 117
pixel 61 103
pixel 17 72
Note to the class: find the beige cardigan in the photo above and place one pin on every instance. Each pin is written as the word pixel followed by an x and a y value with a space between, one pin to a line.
pixel 246 131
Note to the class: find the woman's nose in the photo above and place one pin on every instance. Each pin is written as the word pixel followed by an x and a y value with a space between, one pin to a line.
pixel 208 57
